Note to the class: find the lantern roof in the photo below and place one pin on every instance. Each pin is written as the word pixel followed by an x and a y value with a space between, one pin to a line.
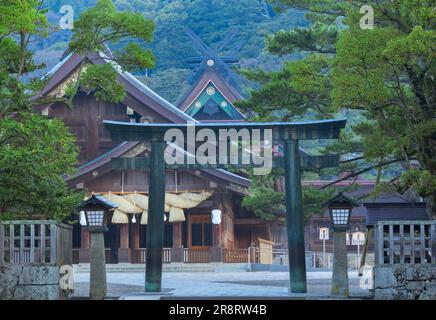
pixel 97 200
pixel 340 200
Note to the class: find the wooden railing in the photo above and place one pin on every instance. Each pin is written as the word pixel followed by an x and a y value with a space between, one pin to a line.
pixel 405 242
pixel 189 255
pixel 197 256
pixel 28 241
pixel 166 255
pixel 236 255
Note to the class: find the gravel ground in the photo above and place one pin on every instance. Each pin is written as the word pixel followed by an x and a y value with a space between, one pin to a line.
pixel 219 284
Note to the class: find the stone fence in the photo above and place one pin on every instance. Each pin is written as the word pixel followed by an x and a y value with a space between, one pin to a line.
pixel 405 260
pixel 32 256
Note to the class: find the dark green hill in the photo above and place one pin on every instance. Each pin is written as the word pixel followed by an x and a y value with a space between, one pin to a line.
pixel 212 20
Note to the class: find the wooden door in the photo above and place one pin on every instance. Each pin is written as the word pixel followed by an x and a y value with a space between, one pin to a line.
pixel 200 232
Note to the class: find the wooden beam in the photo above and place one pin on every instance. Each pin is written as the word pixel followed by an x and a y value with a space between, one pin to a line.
pixel 310 130
pixel 248 221
pixel 307 162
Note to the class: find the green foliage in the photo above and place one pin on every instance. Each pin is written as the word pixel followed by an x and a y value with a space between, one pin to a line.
pixel 262 196
pixel 134 58
pixel 268 204
pixel 19 21
pixel 170 83
pixel 18 16
pixel 314 199
pixel 211 20
pixel 389 73
pixel 35 152
pixel 102 25
pixel 103 79
pixel 385 75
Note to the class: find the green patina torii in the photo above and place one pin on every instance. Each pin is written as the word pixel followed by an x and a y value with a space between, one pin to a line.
pixel 288 134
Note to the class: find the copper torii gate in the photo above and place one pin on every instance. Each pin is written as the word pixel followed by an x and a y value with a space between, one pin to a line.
pixel 289 133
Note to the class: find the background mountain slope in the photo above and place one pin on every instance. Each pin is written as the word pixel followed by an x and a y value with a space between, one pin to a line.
pixel 212 20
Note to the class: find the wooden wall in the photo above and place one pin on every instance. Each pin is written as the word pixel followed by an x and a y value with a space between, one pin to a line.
pixel 85 120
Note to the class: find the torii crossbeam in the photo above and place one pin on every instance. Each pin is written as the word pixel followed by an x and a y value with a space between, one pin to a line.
pixel 288 134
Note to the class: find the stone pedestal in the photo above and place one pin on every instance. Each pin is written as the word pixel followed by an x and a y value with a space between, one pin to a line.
pixel 30 282
pixel 340 266
pixel 97 288
pixel 405 281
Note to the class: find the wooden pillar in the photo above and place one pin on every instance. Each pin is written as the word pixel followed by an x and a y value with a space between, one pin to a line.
pixel 84 254
pixel 124 250
pixel 155 232
pixel 135 235
pixel 219 236
pixel 268 232
pixel 124 236
pixel 295 217
pixel 177 235
pixel 85 239
pixel 178 251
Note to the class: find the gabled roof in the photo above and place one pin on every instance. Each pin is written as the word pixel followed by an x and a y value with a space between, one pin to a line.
pixel 135 88
pixel 97 200
pixel 212 104
pixel 142 94
pixel 341 200
pixel 210 75
pixel 408 211
pixel 103 164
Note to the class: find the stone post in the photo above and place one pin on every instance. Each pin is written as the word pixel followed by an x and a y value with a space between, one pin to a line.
pixel 340 266
pixel 98 286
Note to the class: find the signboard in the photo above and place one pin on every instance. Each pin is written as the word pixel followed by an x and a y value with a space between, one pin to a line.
pixel 323 233
pixel 266 251
pixel 358 239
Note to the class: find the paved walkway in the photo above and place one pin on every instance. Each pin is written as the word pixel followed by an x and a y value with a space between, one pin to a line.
pixel 217 284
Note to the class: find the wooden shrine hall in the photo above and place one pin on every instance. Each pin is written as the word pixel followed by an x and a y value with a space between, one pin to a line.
pixel 190 236
pixel 190 193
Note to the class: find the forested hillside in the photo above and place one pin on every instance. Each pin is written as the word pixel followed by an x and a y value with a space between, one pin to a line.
pixel 212 20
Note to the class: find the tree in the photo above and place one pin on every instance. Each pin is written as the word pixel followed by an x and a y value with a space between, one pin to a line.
pixel 268 204
pixel 19 22
pixel 385 76
pixel 37 152
pixel 389 74
pixel 34 150
pixel 96 28
pixel 211 20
